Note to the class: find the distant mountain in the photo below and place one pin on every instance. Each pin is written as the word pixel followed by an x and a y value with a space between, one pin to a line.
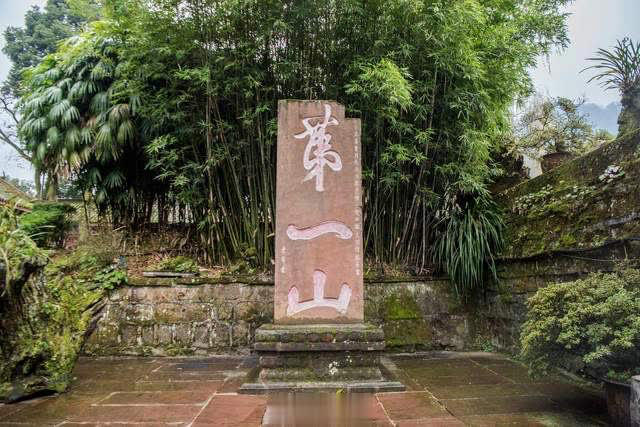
pixel 603 117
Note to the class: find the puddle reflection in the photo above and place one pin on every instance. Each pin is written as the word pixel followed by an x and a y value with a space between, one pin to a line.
pixel 323 409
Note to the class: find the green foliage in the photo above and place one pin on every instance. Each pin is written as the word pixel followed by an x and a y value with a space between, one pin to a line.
pixel 89 9
pixel 432 82
pixel 178 264
pixel 591 325
pixel 483 343
pixel 46 335
pixel 385 84
pixel 16 250
pixel 110 280
pixel 42 31
pixel 77 122
pixel 618 68
pixel 175 102
pixel 471 228
pixel 555 126
pixel 48 223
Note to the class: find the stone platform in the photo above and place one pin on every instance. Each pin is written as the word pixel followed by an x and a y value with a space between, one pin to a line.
pixel 320 357
pixel 443 389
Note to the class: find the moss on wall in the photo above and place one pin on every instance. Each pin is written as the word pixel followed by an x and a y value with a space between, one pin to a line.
pixel 584 203
pixel 44 335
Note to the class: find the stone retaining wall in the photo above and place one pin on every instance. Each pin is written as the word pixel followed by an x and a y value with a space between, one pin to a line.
pixel 181 318
pixel 169 317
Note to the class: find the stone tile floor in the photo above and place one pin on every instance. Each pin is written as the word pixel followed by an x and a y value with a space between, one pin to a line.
pixel 443 389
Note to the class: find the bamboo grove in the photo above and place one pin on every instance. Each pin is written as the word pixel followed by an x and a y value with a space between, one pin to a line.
pixel 174 103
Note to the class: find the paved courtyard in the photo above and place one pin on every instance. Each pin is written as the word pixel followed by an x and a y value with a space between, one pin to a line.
pixel 443 389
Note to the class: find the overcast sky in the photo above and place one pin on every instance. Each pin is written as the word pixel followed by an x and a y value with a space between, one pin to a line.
pixel 593 24
pixel 12 14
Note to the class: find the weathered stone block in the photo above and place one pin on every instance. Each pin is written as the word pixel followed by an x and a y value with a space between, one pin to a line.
pixel 130 334
pixel 221 335
pixel 147 335
pixel 225 310
pixel 164 334
pixel 411 333
pixel 318 338
pixel 295 357
pixel 204 293
pixel 138 313
pixel 246 293
pixel 140 295
pixel 240 334
pixel 319 282
pixel 311 360
pixel 119 294
pixel 325 373
pixel 634 404
pixel 114 312
pixel 201 336
pixel 181 312
pixel 185 293
pixel 265 293
pixel 183 334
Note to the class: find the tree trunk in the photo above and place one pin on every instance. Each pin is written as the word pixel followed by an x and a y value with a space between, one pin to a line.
pixel 629 118
pixel 52 187
pixel 37 180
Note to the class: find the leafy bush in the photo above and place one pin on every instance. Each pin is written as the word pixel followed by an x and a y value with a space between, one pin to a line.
pixel 554 125
pixel 591 326
pixel 179 264
pixel 48 223
pixel 43 340
pixel 16 251
pixel 470 233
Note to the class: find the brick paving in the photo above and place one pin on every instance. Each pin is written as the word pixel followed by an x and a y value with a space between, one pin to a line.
pixel 443 389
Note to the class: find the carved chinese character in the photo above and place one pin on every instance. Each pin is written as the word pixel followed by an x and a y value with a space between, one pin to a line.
pixel 320 143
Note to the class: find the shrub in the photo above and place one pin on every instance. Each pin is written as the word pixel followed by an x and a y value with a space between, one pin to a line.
pixel 17 252
pixel 179 264
pixel 591 326
pixel 469 234
pixel 48 223
pixel 41 342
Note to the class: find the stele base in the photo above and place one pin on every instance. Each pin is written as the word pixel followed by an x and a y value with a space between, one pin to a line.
pixel 319 358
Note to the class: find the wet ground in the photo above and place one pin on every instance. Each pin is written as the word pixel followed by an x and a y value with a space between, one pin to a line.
pixel 444 389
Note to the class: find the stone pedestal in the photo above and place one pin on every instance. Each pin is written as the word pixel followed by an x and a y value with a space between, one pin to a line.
pixel 320 357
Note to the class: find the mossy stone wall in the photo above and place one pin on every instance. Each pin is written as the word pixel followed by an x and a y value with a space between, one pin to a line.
pixel 171 317
pixel 582 204
pixel 181 317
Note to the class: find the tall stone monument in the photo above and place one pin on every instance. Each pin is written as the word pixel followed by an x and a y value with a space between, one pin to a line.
pixel 318 339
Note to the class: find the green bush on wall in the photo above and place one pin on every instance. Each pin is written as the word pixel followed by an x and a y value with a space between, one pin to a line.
pixel 590 326
pixel 48 223
pixel 178 264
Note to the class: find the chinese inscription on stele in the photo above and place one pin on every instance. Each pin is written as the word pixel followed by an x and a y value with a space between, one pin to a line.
pixel 318 215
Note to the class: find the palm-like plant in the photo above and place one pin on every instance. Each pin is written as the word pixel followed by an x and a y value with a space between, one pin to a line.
pixel 619 69
pixel 70 121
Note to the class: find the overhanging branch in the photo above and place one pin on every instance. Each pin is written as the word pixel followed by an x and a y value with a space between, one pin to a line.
pixel 7 139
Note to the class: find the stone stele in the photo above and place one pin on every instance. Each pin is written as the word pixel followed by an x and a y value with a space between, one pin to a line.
pixel 318 340
pixel 318 276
